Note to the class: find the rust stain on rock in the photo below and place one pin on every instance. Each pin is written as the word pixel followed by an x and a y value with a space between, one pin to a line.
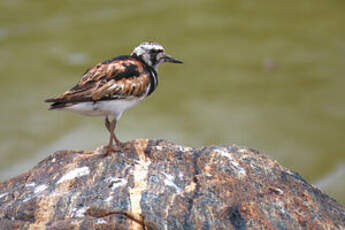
pixel 156 184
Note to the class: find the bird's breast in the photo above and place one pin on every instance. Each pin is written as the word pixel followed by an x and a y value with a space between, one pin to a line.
pixel 103 108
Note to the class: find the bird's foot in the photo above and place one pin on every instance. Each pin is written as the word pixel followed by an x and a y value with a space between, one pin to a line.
pixel 113 149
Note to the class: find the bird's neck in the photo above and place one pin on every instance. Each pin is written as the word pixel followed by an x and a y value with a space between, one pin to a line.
pixel 149 61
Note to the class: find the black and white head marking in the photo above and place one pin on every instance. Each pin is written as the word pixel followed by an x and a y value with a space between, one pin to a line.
pixel 152 53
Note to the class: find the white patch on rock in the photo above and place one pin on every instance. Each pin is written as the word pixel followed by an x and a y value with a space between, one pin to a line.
pixel 32 184
pixel 180 175
pixel 110 179
pixel 109 199
pixel 3 194
pixel 101 221
pixel 183 148
pixel 279 206
pixel 78 172
pixel 40 188
pixel 116 182
pixel 80 212
pixel 27 199
pixel 120 183
pixel 277 190
pixel 224 154
pixel 240 171
pixel 53 160
pixel 242 150
pixel 169 181
pixel 159 148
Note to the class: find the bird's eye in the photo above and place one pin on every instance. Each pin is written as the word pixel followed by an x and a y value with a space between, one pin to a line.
pixel 156 51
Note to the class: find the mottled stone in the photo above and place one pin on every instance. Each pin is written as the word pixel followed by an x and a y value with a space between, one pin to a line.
pixel 156 184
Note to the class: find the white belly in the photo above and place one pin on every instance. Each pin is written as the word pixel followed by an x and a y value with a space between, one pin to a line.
pixel 103 108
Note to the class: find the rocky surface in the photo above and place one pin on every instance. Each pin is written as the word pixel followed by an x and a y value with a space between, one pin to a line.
pixel 156 184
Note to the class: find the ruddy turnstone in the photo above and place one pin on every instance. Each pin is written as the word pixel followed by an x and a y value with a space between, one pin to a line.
pixel 112 86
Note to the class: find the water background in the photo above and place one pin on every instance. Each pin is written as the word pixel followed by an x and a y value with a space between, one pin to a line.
pixel 269 75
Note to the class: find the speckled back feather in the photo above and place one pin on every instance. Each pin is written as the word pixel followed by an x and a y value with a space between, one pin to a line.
pixel 122 77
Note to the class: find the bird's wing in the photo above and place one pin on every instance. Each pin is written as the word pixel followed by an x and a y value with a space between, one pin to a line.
pixel 113 79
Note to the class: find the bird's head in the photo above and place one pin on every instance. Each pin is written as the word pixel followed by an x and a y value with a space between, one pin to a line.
pixel 153 54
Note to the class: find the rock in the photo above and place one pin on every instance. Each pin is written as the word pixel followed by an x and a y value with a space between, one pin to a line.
pixel 156 184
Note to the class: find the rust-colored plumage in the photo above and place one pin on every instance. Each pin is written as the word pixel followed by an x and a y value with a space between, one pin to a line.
pixel 111 87
pixel 118 78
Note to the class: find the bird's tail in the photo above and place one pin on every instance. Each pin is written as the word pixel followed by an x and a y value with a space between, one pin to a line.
pixel 57 104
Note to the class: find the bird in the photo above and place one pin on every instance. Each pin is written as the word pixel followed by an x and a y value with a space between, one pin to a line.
pixel 111 87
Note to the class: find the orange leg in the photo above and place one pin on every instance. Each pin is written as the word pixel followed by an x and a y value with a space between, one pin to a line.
pixel 111 128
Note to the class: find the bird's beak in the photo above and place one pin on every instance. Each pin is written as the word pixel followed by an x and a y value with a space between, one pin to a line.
pixel 168 58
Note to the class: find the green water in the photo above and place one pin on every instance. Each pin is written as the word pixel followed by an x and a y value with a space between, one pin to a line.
pixel 269 75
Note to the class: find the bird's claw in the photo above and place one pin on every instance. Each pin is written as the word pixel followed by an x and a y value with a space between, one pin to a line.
pixel 113 149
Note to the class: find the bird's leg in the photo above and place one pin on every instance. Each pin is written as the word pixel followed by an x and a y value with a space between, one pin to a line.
pixel 117 141
pixel 108 125
pixel 111 128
